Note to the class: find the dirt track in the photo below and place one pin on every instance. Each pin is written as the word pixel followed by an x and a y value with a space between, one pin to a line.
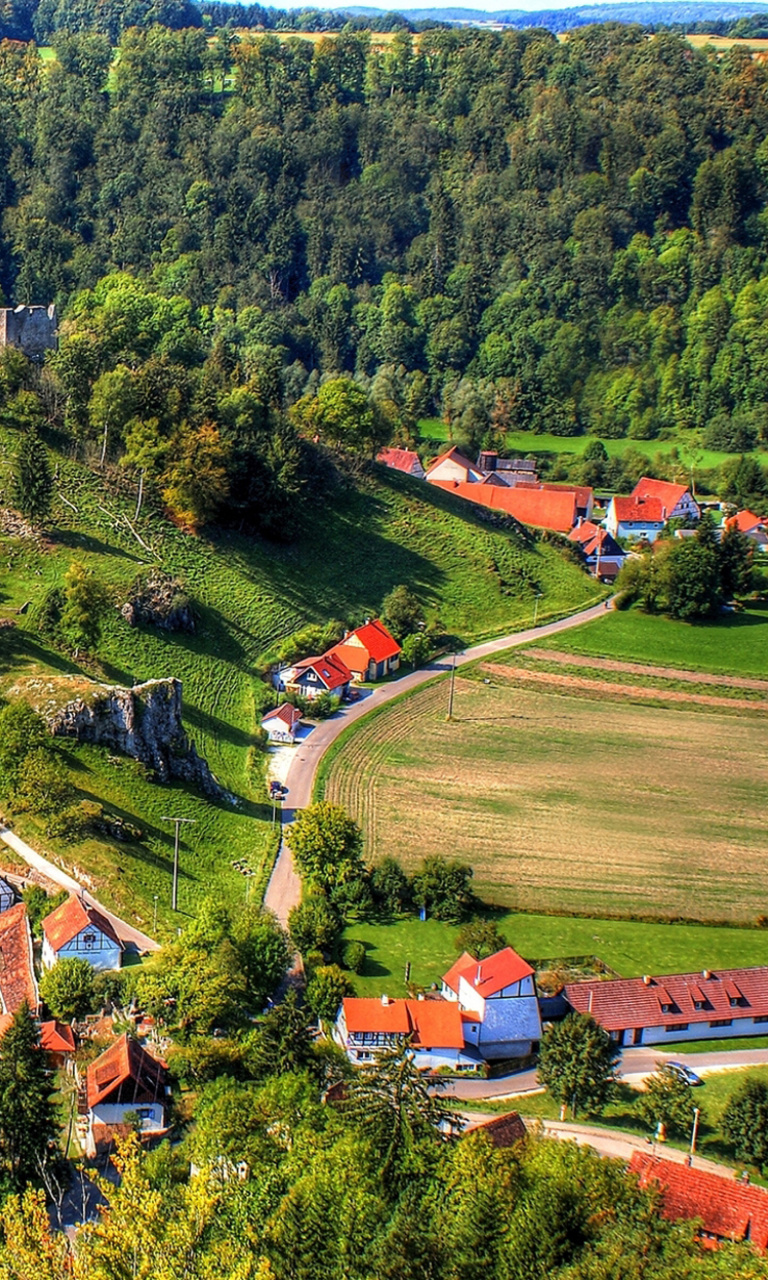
pixel 643 669
pixel 607 688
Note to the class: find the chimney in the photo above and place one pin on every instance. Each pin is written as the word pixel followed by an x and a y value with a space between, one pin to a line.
pixel 591 996
pixel 647 979
pixel 706 975
pixel 478 975
pixel 385 1000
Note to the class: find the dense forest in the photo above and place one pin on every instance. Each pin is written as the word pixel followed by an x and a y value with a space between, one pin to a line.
pixel 518 232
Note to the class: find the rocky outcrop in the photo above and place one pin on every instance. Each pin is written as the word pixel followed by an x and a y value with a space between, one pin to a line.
pixel 159 600
pixel 143 722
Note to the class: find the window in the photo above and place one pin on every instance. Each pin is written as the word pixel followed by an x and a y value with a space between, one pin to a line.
pixel 762 1018
pixel 89 941
pixel 721 1022
pixel 677 1026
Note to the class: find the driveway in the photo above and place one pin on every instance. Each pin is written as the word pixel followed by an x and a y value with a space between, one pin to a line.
pixel 284 888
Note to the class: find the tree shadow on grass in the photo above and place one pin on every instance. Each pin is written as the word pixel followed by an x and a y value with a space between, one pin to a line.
pixel 18 646
pixel 86 542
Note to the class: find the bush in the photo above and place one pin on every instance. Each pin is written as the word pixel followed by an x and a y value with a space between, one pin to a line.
pixel 313 925
pixel 353 957
pixel 416 649
pixel 68 989
pixel 326 989
pixel 442 888
pixel 39 905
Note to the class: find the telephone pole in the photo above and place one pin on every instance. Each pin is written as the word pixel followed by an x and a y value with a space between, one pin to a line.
pixel 450 695
pixel 177 823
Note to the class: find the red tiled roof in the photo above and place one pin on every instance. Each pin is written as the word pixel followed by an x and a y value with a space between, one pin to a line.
pixel 585 531
pixel 126 1073
pixel 728 1209
pixel 353 656
pixel 432 1024
pixel 57 1037
pixel 375 637
pixel 17 976
pixel 640 510
pixel 582 492
pixel 662 490
pixel 401 459
pixel 540 507
pixel 503 1131
pixel 289 714
pixel 500 970
pixel 624 1003
pixel 744 521
pixel 332 671
pixel 451 978
pixel 64 924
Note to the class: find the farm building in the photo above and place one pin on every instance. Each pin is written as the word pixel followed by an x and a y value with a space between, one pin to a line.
pixel 370 652
pixel 58 1041
pixel 546 509
pixel 752 526
pixel 498 1003
pixel 512 470
pixel 77 929
pixel 281 723
pixel 602 553
pixel 676 499
pixel 503 1131
pixel 636 518
pixel 404 460
pixel 453 467
pixel 125 1081
pixel 727 1209
pixel 433 1029
pixel 709 1005
pixel 583 495
pixel 17 974
pixel 313 676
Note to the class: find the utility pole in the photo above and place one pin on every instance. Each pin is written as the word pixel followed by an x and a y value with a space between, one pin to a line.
pixel 177 823
pixel 154 921
pixel 453 681
pixel 536 606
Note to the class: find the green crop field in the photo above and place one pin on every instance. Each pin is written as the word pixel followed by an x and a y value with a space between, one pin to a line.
pixel 735 645
pixel 563 800
pixel 347 554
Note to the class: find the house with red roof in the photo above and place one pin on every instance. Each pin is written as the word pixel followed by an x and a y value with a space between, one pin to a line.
pixel 680 1006
pixel 281 724
pixel 498 1003
pixel 313 676
pixel 503 1131
pixel 125 1082
pixel 58 1041
pixel 370 652
pixel 453 466
pixel 752 526
pixel 433 1029
pixel 78 929
pixel 603 556
pixel 636 518
pixel 404 460
pixel 676 499
pixel 727 1209
pixel 17 974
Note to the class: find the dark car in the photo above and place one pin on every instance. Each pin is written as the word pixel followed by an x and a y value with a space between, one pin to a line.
pixel 684 1073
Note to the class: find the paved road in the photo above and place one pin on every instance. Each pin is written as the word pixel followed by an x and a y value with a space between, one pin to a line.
pixel 634 1066
pixel 284 888
pixel 128 935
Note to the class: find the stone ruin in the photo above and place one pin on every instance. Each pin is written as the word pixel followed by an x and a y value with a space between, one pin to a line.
pixel 31 330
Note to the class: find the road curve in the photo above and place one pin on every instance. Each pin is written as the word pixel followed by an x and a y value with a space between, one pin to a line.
pixel 284 888
pixel 128 935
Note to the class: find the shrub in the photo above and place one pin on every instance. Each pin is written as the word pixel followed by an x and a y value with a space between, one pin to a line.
pixel 354 956
pixel 68 989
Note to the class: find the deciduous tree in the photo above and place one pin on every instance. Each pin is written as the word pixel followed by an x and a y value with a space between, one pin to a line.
pixel 577 1064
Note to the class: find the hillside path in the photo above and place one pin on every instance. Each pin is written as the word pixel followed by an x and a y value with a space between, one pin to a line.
pixel 284 888
pixel 128 935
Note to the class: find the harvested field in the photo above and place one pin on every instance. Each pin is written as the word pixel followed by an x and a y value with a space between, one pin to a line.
pixel 569 802
pixel 649 669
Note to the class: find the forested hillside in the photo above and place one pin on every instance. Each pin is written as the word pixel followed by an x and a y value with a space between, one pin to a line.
pixel 562 236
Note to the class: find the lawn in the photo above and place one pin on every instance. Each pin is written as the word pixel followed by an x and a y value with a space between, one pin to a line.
pixel 566 802
pixel 631 948
pixel 737 644
pixel 347 553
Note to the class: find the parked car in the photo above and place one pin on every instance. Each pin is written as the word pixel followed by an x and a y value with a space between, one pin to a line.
pixel 684 1073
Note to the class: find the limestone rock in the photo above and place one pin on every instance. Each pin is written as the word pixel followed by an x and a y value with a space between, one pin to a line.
pixel 160 601
pixel 143 722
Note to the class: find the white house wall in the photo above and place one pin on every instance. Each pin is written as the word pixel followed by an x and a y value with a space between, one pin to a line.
pixel 104 954
pixel 701 1031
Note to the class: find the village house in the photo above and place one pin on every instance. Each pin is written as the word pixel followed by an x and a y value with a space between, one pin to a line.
pixel 124 1085
pixel 727 1209
pixel 77 929
pixel 454 467
pixel 314 676
pixel 603 556
pixel 281 724
pixel 504 1131
pixel 404 460
pixel 498 1003
pixel 708 1005
pixel 17 975
pixel 583 495
pixel 433 1029
pixel 676 499
pixel 58 1041
pixel 752 526
pixel 635 519
pixel 545 509
pixel 370 652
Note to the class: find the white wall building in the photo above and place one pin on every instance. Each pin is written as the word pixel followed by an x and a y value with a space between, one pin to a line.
pixel 77 929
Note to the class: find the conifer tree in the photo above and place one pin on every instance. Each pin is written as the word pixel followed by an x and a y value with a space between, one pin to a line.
pixel 26 1111
pixel 32 483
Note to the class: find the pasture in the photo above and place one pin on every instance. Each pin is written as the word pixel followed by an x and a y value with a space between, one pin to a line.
pixel 565 800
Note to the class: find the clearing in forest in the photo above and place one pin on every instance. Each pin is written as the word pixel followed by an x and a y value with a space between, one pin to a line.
pixel 577 795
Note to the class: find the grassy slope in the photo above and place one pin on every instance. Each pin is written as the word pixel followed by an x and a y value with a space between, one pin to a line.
pixel 347 555
pixel 735 645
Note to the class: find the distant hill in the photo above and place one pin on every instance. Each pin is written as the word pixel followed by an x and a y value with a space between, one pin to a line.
pixel 646 12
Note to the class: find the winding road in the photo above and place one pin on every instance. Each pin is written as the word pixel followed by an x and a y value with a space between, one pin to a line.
pixel 284 888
